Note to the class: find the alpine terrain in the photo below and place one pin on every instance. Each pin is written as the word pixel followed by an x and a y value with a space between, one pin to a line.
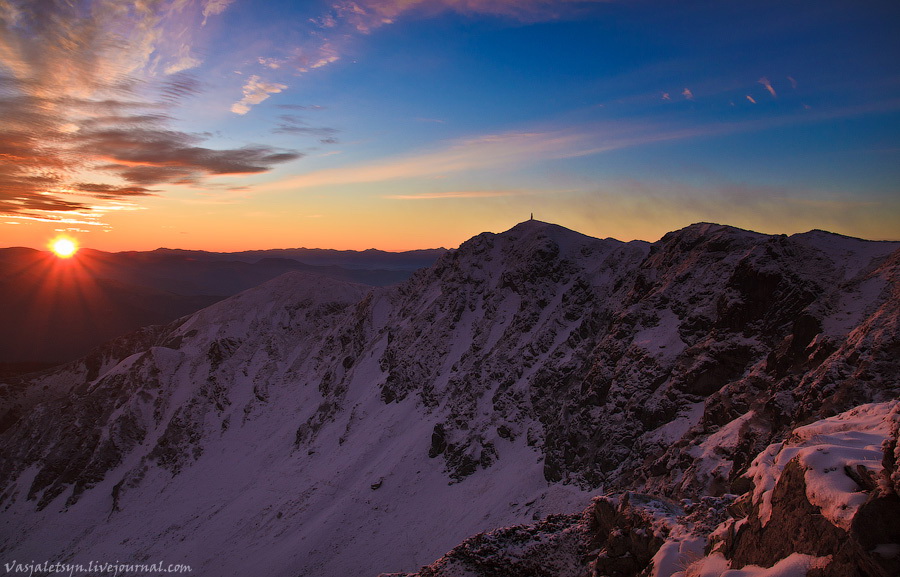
pixel 535 403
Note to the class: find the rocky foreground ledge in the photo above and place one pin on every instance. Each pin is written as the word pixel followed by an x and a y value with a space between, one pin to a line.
pixel 825 502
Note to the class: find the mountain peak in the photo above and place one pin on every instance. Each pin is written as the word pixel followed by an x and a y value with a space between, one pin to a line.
pixel 535 229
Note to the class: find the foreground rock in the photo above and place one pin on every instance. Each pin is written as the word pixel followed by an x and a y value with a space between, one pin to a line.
pixel 822 504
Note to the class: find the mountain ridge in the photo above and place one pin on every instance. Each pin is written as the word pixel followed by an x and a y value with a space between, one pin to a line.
pixel 518 376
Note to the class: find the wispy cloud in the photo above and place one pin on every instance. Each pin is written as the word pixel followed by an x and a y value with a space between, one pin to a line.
pixel 214 7
pixel 86 93
pixel 768 86
pixel 529 148
pixel 501 151
pixel 366 15
pixel 687 94
pixel 293 124
pixel 482 152
pixel 454 194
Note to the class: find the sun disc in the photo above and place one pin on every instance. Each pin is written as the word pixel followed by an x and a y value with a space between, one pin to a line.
pixel 63 247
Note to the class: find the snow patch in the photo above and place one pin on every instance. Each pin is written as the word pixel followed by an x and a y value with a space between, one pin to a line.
pixel 824 449
pixel 795 565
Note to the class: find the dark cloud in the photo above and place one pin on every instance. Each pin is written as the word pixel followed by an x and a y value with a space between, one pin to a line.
pixel 300 107
pixel 155 175
pixel 292 124
pixel 112 191
pixel 179 87
pixel 154 155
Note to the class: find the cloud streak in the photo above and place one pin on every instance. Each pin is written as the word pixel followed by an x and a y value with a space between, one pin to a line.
pixel 482 152
pixel 366 15
pixel 529 148
pixel 292 124
pixel 86 92
pixel 454 194
pixel 768 86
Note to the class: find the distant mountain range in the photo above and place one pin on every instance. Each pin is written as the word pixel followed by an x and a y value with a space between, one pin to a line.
pixel 536 403
pixel 57 310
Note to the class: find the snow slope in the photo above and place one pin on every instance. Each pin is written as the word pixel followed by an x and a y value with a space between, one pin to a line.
pixel 316 427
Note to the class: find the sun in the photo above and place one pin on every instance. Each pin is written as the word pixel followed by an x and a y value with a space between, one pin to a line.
pixel 63 246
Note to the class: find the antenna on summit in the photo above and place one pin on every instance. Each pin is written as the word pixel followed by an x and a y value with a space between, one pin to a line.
pixel 532 216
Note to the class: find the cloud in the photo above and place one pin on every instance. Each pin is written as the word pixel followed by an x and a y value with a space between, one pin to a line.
pixel 454 194
pixel 751 99
pixel 530 148
pixel 111 191
pixel 255 91
pixel 500 151
pixel 366 15
pixel 149 154
pixel 292 124
pixel 793 82
pixel 301 107
pixel 687 94
pixel 184 61
pixel 87 91
pixel 482 152
pixel 768 85
pixel 214 8
pixel 179 87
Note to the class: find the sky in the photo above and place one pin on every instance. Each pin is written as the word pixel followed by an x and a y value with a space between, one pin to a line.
pixel 229 125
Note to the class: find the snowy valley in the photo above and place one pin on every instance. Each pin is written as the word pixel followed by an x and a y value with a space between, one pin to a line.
pixel 536 403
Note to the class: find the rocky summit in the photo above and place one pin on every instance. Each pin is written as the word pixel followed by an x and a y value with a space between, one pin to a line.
pixel 536 403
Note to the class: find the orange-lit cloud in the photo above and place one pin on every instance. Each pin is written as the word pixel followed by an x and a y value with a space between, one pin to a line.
pixel 751 99
pixel 768 85
pixel 454 194
pixel 687 94
pixel 482 152
pixel 500 151
pixel 84 111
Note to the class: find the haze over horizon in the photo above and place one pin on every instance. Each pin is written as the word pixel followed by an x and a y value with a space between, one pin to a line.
pixel 230 125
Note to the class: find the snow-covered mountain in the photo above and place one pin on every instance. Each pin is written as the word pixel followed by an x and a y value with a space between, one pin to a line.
pixel 316 427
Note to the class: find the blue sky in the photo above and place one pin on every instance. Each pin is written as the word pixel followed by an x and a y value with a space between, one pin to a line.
pixel 399 124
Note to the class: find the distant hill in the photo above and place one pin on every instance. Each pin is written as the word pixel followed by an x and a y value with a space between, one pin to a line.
pixel 370 259
pixel 58 310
